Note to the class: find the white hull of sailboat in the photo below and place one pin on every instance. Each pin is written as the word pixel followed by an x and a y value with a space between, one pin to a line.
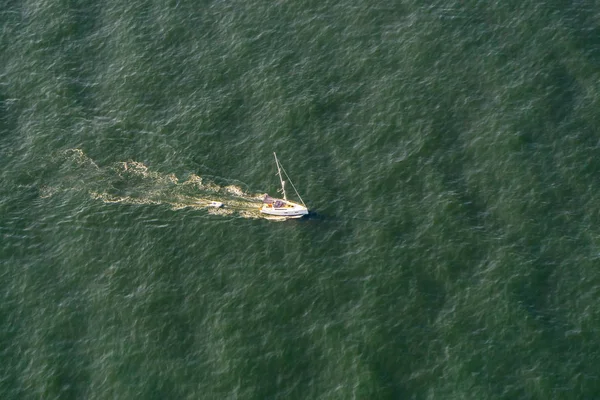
pixel 287 209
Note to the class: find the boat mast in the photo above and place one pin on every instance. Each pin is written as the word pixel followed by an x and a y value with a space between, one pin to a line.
pixel 279 169
pixel 280 177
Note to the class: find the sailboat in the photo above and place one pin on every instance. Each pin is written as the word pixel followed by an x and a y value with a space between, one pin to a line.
pixel 283 207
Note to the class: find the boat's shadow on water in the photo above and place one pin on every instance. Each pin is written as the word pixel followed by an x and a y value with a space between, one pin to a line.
pixel 315 216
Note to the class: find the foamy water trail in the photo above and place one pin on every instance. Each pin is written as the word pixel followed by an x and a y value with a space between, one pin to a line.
pixel 132 182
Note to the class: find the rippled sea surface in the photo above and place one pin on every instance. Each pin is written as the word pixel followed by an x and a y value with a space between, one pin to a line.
pixel 449 149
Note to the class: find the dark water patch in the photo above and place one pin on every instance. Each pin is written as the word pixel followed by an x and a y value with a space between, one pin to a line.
pixel 583 28
pixel 8 121
pixel 393 353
